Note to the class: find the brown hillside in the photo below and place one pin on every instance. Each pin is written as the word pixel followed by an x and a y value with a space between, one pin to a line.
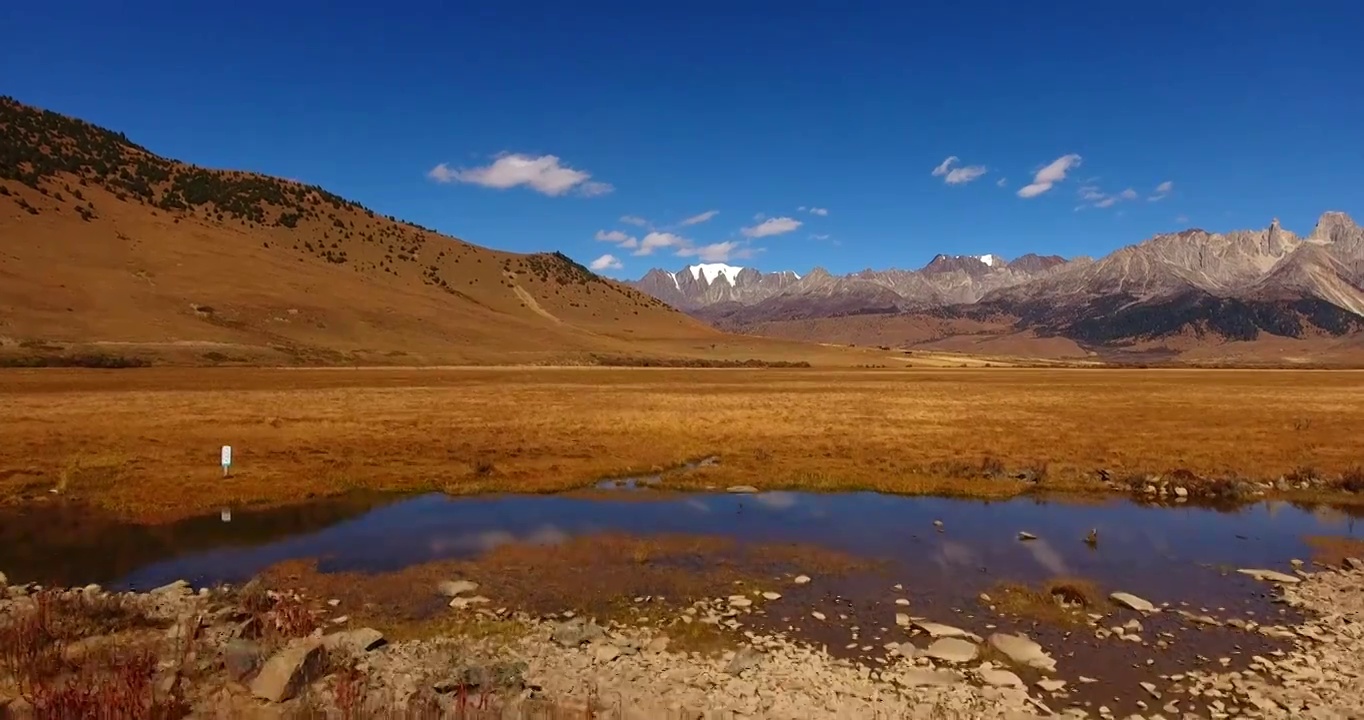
pixel 106 247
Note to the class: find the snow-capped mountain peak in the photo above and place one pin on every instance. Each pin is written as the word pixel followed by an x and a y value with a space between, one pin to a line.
pixel 988 259
pixel 711 271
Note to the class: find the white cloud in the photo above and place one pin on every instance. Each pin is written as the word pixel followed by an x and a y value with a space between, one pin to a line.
pixel 822 212
pixel 959 175
pixel 819 237
pixel 942 167
pixel 698 219
pixel 613 236
pixel 1162 190
pixel 759 216
pixel 715 252
pixel 772 226
pixel 1048 176
pixel 1182 219
pixel 543 174
pixel 1093 196
pixel 1001 182
pixel 606 262
pixel 656 240
pixel 634 220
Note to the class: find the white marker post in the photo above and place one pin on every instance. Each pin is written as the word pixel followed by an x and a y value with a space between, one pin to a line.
pixel 227 459
pixel 226 514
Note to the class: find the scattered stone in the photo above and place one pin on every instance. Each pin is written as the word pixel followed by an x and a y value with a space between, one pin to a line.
pixel 575 632
pixel 818 615
pixel 745 659
pixel 1270 575
pixel 739 601
pixel 1026 536
pixel 950 649
pixel 769 595
pixel 1151 689
pixel 177 587
pixel 452 588
pixel 801 579
pixel 461 603
pixel 606 652
pixel 742 489
pixel 1132 602
pixel 902 602
pixel 1050 685
pixel 657 645
pixel 1353 563
pixel 920 677
pixel 289 670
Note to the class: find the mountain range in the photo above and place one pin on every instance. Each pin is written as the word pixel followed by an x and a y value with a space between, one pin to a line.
pixel 1167 295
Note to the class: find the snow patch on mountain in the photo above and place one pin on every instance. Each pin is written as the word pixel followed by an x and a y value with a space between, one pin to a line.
pixel 711 271
pixel 988 259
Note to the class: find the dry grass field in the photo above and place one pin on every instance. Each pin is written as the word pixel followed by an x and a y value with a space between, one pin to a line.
pixel 144 443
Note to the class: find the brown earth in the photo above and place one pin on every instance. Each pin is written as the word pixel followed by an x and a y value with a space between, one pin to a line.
pixel 144 442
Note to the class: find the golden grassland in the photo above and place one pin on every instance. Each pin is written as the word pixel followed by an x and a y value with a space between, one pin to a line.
pixel 145 443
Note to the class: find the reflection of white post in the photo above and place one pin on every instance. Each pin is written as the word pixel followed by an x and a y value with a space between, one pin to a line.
pixel 227 459
pixel 227 514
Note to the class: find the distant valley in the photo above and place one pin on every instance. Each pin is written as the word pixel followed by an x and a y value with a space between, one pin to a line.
pixel 1269 295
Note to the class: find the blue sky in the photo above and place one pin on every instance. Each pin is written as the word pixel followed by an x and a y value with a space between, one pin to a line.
pixel 812 131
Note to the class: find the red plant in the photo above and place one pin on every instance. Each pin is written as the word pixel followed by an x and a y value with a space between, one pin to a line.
pixel 351 688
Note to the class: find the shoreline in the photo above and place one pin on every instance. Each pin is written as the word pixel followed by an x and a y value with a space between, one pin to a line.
pixel 231 652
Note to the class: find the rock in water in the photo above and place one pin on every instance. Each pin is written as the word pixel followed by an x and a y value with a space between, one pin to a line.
pixel 289 670
pixel 1133 602
pixel 801 579
pixel 1026 536
pixel 1270 575
pixel 1022 651
pixel 938 630
pixel 742 489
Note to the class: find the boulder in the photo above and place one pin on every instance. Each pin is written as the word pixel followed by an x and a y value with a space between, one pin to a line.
pixel 1353 563
pixel 241 658
pixel 950 649
pixel 355 641
pixel 452 588
pixel 1000 678
pixel 745 659
pixel 289 670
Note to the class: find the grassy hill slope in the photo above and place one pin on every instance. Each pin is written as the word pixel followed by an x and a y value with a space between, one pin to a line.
pixel 108 248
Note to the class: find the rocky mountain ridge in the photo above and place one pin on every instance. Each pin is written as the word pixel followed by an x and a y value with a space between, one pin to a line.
pixel 1234 285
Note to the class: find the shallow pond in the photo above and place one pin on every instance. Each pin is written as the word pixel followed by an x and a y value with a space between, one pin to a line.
pixel 1160 549
pixel 1181 555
